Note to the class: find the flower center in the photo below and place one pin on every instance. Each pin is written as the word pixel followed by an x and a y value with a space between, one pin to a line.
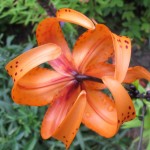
pixel 82 77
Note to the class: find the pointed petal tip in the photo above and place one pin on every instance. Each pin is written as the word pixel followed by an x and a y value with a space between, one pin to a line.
pixel 70 15
pixel 22 64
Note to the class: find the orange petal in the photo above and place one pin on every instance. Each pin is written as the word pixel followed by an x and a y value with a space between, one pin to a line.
pixel 135 73
pixel 69 127
pixel 100 69
pixel 94 122
pixel 38 87
pixel 93 85
pixel 123 102
pixel 103 105
pixel 122 56
pixel 105 117
pixel 49 31
pixel 92 47
pixel 58 111
pixel 70 15
pixel 19 66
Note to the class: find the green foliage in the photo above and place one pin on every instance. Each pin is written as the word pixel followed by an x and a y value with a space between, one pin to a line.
pixel 130 18
pixel 138 103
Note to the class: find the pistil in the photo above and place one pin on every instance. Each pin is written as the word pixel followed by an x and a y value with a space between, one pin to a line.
pixel 81 77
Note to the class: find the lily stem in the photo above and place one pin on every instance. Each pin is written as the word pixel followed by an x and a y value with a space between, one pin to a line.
pixel 142 128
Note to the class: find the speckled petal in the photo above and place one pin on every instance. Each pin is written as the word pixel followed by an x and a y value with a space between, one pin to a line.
pixel 69 127
pixel 57 112
pixel 72 16
pixel 92 47
pixel 38 87
pixel 104 116
pixel 22 64
pixel 122 47
pixel 49 31
pixel 123 102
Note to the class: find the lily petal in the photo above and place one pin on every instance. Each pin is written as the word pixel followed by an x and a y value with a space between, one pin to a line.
pixel 98 70
pixel 107 120
pixel 70 15
pixel 122 56
pixel 69 127
pixel 103 105
pixel 22 64
pixel 92 47
pixel 57 112
pixel 135 73
pixel 49 31
pixel 94 122
pixel 38 87
pixel 123 102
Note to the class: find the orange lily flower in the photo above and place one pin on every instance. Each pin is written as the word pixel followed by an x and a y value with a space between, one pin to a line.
pixel 73 87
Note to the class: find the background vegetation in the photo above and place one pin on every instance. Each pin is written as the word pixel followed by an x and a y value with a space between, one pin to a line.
pixel 19 125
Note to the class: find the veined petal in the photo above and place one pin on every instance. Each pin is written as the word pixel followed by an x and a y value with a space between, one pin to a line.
pixel 57 112
pixel 122 56
pixel 92 47
pixel 22 64
pixel 124 106
pixel 94 122
pixel 102 105
pixel 70 15
pixel 93 85
pixel 135 73
pixel 69 127
pixel 98 70
pixel 38 87
pixel 105 116
pixel 49 31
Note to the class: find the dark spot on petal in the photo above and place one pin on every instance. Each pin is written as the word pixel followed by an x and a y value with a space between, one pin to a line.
pixel 122 114
pixel 65 10
pixel 64 137
pixel 16 66
pixel 15 73
pixel 129 107
pixel 126 46
pixel 66 141
pixel 126 42
pixel 17 62
pixel 128 112
pixel 118 121
pixel 118 40
pixel 128 116
pixel 21 70
pixel 133 113
pixel 11 66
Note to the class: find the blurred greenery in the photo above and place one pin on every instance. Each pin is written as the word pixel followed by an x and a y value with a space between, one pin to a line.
pixel 20 125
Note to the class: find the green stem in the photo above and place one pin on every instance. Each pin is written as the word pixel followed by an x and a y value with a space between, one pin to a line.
pixel 142 128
